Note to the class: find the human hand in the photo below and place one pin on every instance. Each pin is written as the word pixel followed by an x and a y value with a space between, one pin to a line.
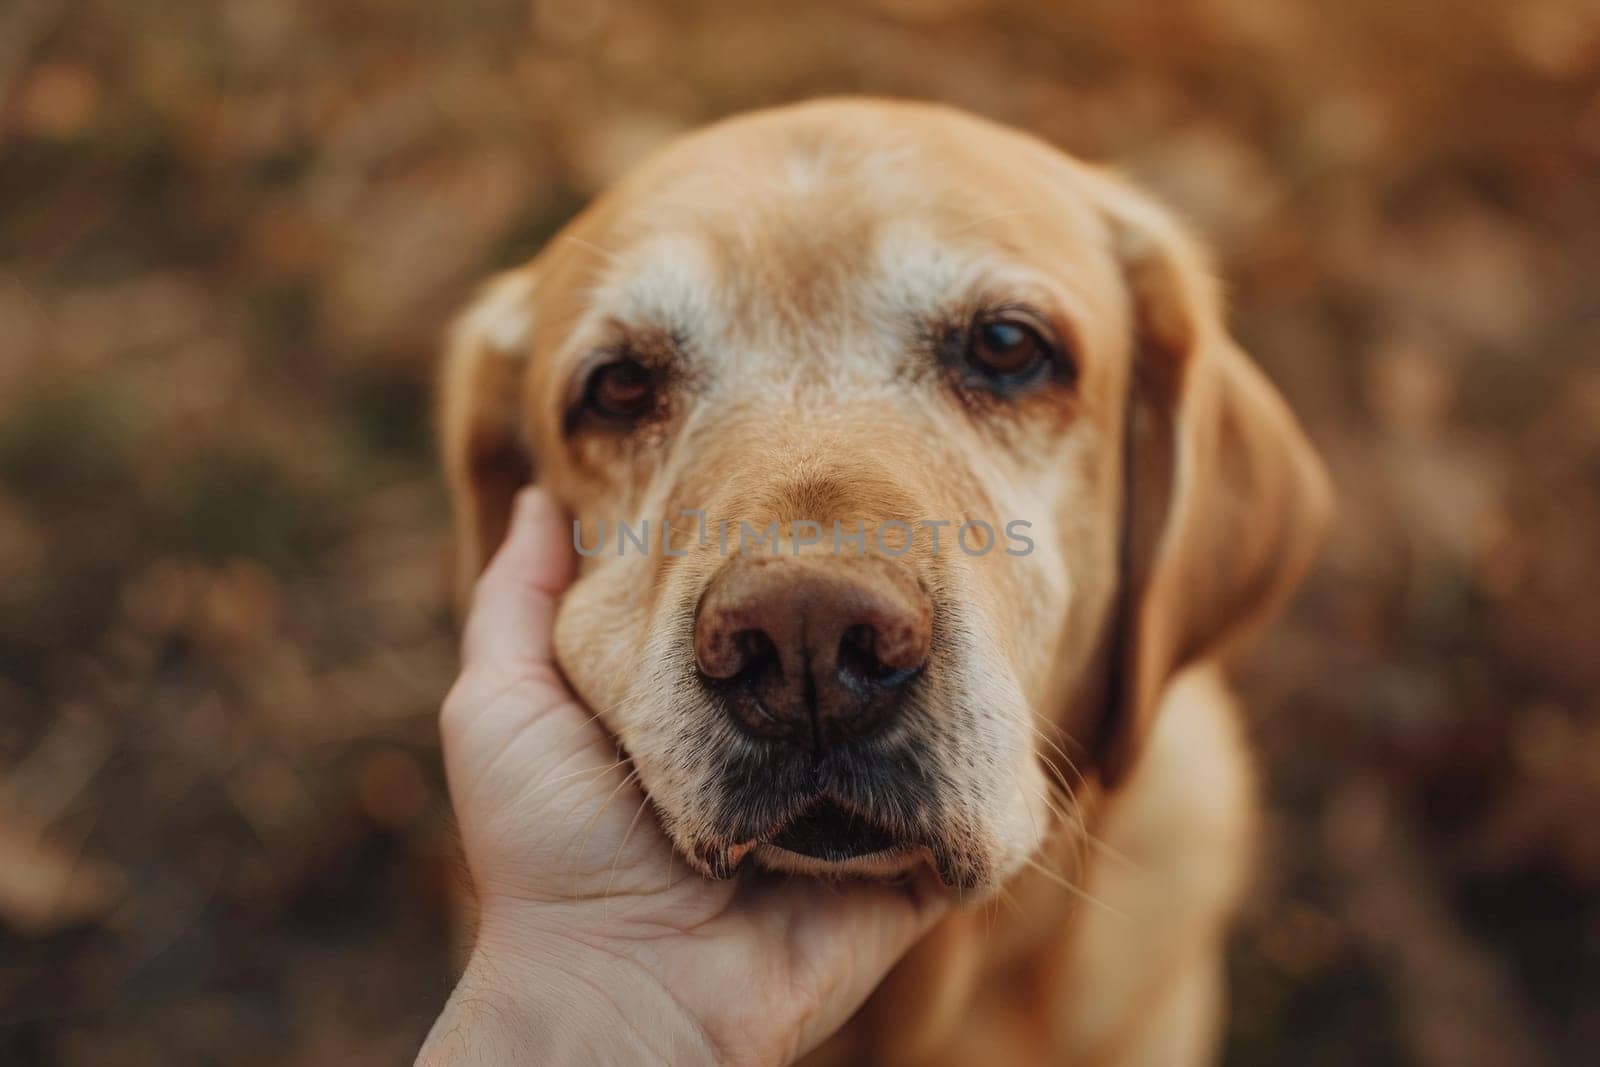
pixel 595 943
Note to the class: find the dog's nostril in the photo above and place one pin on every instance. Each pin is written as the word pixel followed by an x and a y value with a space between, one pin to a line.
pixel 758 654
pixel 860 637
pixel 858 657
pixel 724 653
pixel 861 663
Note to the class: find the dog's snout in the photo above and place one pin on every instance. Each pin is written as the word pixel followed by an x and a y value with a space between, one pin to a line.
pixel 812 650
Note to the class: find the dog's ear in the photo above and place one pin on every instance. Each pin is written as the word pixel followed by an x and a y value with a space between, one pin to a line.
pixel 481 388
pixel 1225 502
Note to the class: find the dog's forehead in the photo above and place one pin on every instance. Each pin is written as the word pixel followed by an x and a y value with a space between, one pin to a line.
pixel 764 244
pixel 795 280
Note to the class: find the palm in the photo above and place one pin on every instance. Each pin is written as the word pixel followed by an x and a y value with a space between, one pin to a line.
pixel 562 817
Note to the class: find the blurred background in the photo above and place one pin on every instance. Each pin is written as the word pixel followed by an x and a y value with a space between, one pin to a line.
pixel 232 232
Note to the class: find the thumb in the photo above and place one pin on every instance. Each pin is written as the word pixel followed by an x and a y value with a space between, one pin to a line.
pixel 514 603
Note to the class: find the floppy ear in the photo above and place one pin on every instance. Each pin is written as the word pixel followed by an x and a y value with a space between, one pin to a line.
pixel 1225 502
pixel 480 413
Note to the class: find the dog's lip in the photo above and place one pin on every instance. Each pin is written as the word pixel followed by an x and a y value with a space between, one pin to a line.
pixel 951 869
pixel 826 831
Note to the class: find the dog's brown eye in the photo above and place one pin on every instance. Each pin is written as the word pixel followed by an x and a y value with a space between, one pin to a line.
pixel 621 391
pixel 1007 352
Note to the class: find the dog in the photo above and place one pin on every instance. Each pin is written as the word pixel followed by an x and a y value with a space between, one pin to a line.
pixel 920 490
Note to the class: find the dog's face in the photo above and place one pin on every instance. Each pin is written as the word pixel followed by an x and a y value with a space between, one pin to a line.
pixel 859 380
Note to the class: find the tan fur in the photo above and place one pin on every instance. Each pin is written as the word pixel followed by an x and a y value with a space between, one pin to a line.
pixel 789 258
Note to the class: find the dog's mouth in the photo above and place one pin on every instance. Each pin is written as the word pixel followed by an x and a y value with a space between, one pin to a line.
pixel 827 835
pixel 871 811
pixel 828 832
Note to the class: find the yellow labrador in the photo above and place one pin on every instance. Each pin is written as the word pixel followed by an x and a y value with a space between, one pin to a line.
pixel 919 486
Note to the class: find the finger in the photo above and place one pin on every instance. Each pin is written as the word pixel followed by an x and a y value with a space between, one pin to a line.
pixel 855 935
pixel 514 604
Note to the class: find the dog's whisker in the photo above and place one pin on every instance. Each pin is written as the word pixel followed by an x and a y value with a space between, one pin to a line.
pixel 616 859
pixel 672 865
pixel 986 219
pixel 1107 849
pixel 595 818
pixel 604 253
pixel 1086 837
pixel 583 772
pixel 1089 838
pixel 1028 721
pixel 1060 813
pixel 614 708
pixel 1082 836
pixel 1056 878
pixel 1055 743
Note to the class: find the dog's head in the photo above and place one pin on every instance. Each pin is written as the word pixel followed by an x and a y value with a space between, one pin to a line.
pixel 935 461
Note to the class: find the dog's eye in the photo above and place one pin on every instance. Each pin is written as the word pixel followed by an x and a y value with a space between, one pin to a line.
pixel 621 392
pixel 1006 352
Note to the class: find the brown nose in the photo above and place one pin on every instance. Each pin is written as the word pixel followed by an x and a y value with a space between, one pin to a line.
pixel 812 650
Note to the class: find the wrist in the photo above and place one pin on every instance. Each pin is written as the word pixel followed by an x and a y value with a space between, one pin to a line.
pixel 492 1019
pixel 530 994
